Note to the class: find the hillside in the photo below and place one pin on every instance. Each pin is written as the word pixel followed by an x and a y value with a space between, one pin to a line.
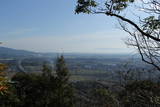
pixel 9 52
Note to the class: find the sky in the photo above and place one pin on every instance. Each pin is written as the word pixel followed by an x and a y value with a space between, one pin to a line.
pixel 53 26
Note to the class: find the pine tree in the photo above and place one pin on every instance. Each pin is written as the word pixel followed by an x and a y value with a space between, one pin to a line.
pixel 62 70
pixel 46 71
pixel 64 93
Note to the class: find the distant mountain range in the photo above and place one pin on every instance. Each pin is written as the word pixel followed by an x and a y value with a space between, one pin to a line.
pixel 6 52
pixel 10 53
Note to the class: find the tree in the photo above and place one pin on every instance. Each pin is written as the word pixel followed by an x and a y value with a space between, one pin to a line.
pixel 3 80
pixel 144 28
pixel 7 96
pixel 141 94
pixel 46 71
pixel 125 73
pixel 46 89
pixel 104 98
pixel 64 90
pixel 35 90
pixel 62 70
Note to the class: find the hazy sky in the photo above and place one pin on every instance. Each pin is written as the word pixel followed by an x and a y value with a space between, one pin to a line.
pixel 52 26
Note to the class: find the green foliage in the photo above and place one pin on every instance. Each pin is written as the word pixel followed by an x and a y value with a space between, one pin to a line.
pixel 46 71
pixel 85 6
pixel 4 85
pixel 34 90
pixel 117 5
pixel 64 91
pixel 46 90
pixel 150 24
pixel 105 98
pixel 140 94
pixel 62 70
pixel 7 96
pixel 91 6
